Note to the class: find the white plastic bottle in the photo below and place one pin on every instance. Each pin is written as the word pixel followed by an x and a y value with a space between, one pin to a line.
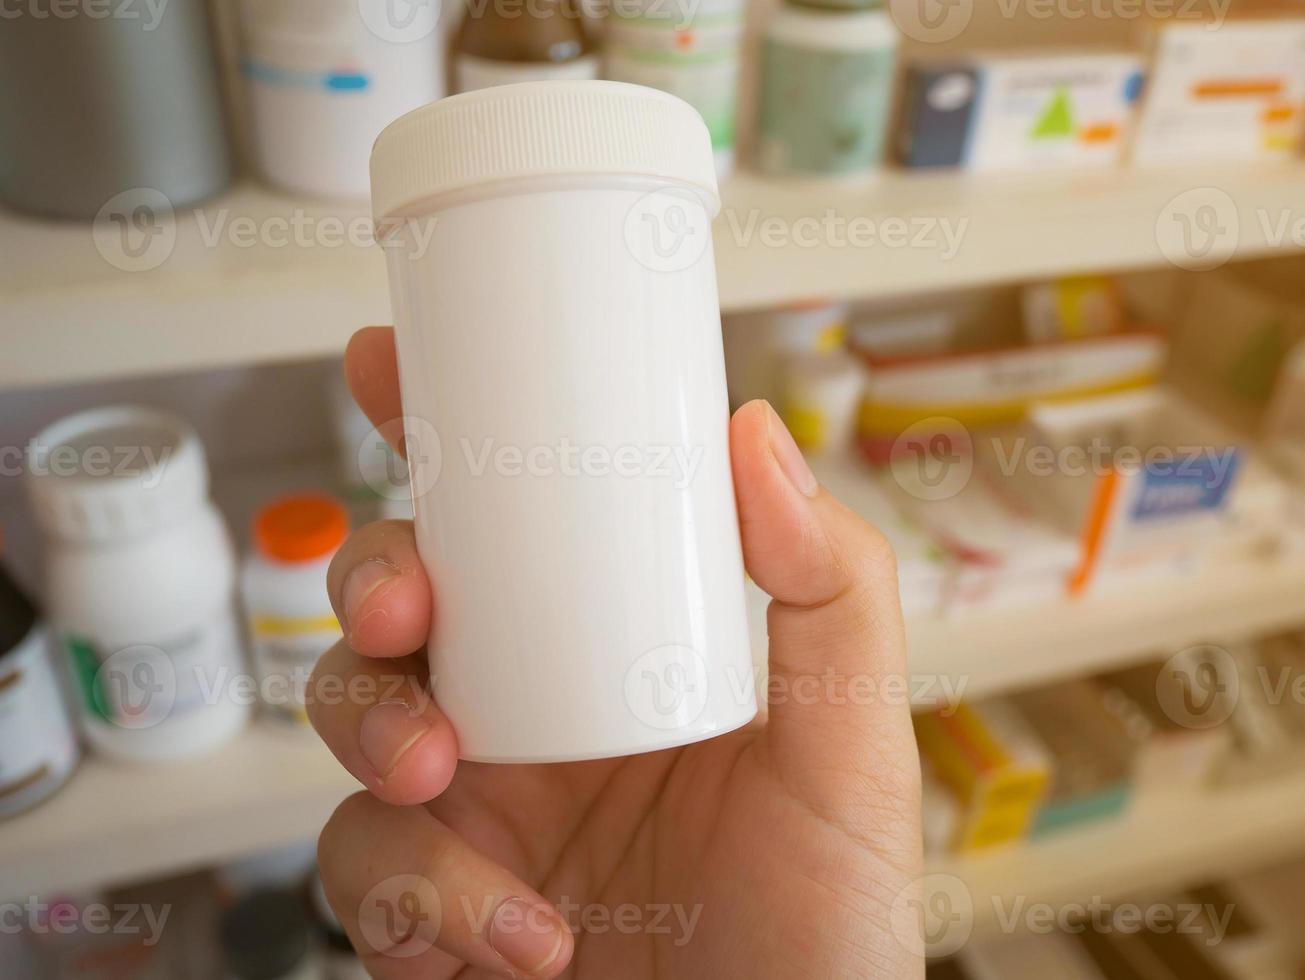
pixel 826 88
pixel 291 623
pixel 38 745
pixel 140 582
pixel 567 422
pixel 324 77
pixel 694 56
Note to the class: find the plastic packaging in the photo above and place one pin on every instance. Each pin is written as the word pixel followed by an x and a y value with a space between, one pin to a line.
pixel 140 582
pixel 291 622
pixel 564 386
pixel 826 87
pixel 38 745
pixel 324 77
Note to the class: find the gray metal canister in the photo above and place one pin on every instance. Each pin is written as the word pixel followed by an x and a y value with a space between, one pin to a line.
pixel 97 98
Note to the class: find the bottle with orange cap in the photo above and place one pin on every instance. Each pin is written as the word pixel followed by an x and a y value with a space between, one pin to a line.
pixel 291 623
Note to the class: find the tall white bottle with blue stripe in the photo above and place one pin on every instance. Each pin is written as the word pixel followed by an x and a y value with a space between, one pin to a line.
pixel 324 77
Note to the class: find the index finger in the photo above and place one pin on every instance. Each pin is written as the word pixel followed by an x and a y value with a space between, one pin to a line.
pixel 371 368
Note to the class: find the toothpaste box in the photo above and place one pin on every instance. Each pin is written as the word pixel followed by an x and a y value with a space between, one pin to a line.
pixel 1233 91
pixel 1020 112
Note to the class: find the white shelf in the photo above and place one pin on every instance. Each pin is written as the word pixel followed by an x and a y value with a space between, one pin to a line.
pixel 274 785
pixel 1162 844
pixel 69 315
pixel 994 652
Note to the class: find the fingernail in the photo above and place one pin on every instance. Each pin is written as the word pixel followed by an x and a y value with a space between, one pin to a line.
pixel 388 731
pixel 528 936
pixel 790 458
pixel 362 582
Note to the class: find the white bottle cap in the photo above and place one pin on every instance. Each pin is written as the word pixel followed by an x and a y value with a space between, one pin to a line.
pixel 539 129
pixel 115 472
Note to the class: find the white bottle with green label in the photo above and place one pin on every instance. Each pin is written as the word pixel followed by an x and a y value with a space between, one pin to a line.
pixel 140 583
pixel 826 88
pixel 689 50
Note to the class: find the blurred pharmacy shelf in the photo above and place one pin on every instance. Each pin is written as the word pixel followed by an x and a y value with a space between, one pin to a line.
pixel 277 784
pixel 978 654
pixel 981 654
pixel 1163 843
pixel 256 277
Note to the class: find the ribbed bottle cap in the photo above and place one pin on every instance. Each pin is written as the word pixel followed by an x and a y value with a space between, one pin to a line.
pixel 115 472
pixel 534 129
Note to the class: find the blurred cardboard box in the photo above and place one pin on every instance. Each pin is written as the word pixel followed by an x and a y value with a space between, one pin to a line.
pixel 1228 92
pixel 1019 112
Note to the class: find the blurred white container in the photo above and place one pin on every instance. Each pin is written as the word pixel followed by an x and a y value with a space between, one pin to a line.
pixel 562 376
pixel 819 398
pixel 325 77
pixel 694 56
pixel 140 582
pixel 756 344
pixel 291 622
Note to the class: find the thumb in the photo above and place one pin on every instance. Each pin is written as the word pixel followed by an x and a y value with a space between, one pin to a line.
pixel 837 642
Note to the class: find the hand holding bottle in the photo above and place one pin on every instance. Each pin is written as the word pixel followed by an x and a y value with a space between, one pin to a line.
pixel 777 850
